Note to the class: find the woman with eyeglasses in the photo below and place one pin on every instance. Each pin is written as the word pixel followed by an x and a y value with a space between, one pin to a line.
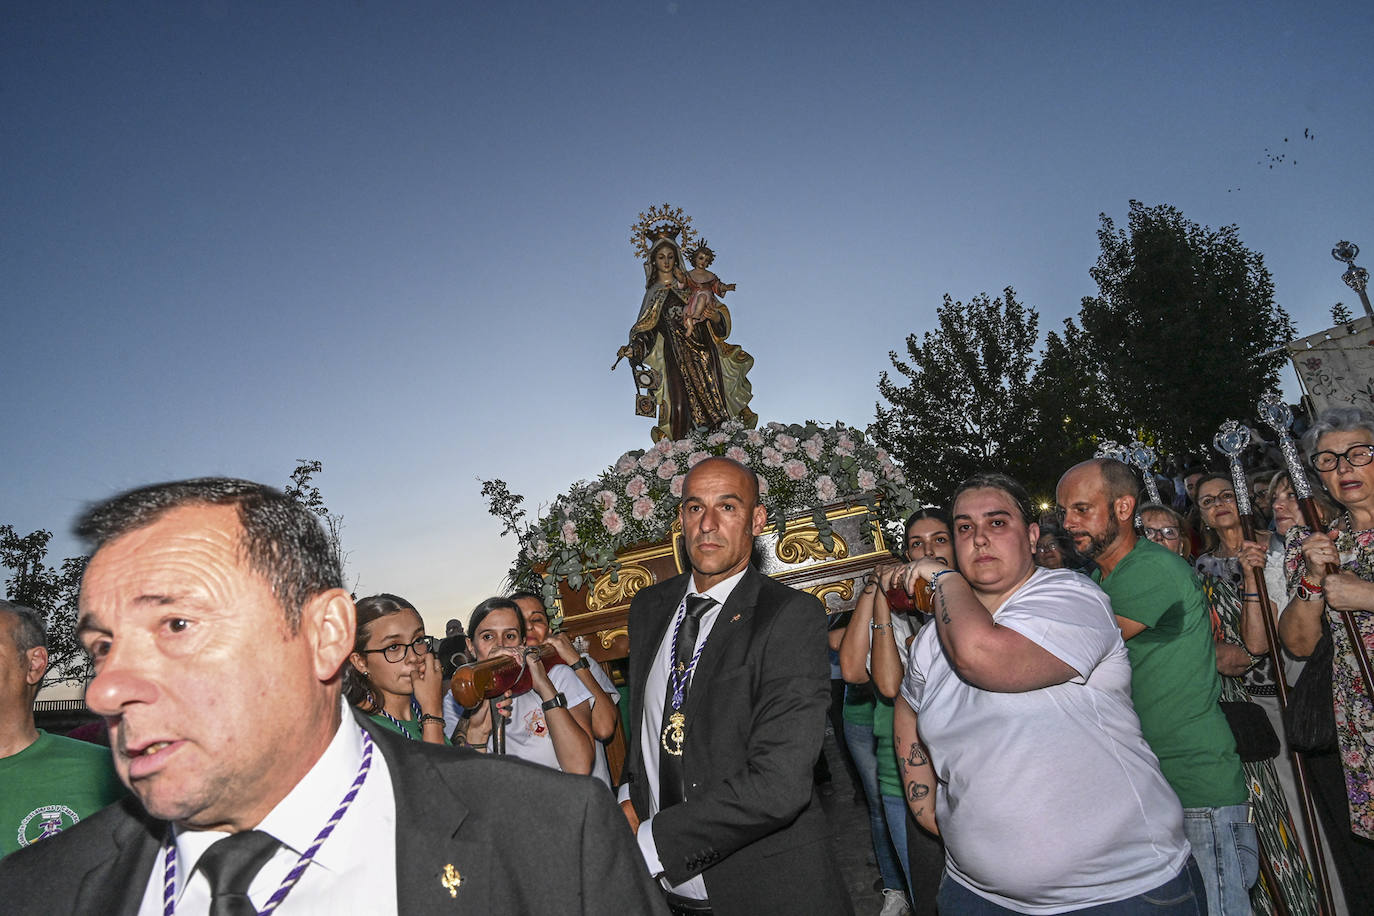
pixel 548 724
pixel 393 674
pixel 1165 527
pixel 1242 645
pixel 1340 447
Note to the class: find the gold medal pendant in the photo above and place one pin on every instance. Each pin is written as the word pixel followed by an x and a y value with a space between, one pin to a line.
pixel 675 733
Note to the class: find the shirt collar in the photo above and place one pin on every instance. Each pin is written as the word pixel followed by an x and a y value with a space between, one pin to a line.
pixel 720 592
pixel 297 818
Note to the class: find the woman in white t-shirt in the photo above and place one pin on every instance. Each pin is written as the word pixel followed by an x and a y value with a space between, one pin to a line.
pixel 545 725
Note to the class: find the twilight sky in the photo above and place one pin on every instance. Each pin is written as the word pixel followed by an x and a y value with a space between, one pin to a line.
pixel 394 236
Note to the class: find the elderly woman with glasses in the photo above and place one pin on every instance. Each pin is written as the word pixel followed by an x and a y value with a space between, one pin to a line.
pixel 1340 446
pixel 393 674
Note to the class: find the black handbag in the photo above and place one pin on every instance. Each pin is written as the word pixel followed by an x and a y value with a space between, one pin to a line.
pixel 1310 719
pixel 1256 739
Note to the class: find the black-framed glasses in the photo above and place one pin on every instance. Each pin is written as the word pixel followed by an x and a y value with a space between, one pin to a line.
pixel 1225 496
pixel 1168 533
pixel 1357 456
pixel 422 646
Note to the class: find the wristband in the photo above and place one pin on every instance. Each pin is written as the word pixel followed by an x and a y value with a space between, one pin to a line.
pixel 1248 595
pixel 554 702
pixel 936 578
pixel 429 717
pixel 580 664
pixel 874 625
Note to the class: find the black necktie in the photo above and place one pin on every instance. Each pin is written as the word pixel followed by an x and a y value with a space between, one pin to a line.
pixel 671 788
pixel 230 865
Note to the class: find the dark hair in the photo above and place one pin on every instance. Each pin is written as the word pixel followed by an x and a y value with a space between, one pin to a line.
pixel 992 480
pixel 1210 539
pixel 29 629
pixel 280 538
pixel 925 512
pixel 526 593
pixel 480 613
pixel 358 688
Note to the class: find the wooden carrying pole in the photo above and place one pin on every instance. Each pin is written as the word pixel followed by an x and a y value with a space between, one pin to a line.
pixel 1231 441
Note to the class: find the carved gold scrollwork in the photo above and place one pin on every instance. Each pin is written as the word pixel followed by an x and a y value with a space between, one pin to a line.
pixel 608 637
pixel 844 589
pixel 800 544
pixel 606 593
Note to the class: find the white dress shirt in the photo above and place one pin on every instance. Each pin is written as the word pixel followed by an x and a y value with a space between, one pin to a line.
pixel 655 689
pixel 354 870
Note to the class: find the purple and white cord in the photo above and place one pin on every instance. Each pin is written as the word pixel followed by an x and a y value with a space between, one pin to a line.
pixel 682 676
pixel 169 867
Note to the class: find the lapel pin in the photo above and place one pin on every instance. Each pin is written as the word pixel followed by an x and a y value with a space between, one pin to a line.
pixel 451 880
pixel 733 619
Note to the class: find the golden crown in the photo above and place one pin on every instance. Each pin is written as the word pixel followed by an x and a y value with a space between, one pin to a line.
pixel 660 223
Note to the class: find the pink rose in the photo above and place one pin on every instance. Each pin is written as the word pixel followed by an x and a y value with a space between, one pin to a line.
pixel 637 487
pixel 613 522
pixel 642 508
pixel 650 459
pixel 754 438
pixel 772 458
pixel 785 443
pixel 794 469
pixel 844 447
pixel 676 485
pixel 716 438
pixel 683 446
pixel 882 454
pixel 697 458
pixel 825 488
pixel 605 499
pixel 667 469
pixel 813 447
pixel 626 463
pixel 735 453
pixel 664 446
pixel 569 533
pixel 867 480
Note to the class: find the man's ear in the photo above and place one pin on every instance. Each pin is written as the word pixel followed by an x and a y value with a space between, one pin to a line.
pixel 328 620
pixel 1125 508
pixel 760 520
pixel 35 665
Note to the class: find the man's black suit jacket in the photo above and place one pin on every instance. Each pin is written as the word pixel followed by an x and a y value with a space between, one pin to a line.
pixel 751 824
pixel 525 839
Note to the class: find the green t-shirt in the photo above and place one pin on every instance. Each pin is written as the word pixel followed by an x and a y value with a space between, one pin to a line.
pixel 51 785
pixel 858 704
pixel 889 783
pixel 410 729
pixel 1174 680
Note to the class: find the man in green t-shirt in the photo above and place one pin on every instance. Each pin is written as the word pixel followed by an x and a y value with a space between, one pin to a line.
pixel 50 782
pixel 1162 612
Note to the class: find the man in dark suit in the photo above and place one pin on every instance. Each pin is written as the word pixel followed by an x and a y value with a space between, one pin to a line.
pixel 727 716
pixel 216 618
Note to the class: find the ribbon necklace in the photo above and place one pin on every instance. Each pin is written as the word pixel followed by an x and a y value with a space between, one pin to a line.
pixel 415 709
pixel 169 880
pixel 675 728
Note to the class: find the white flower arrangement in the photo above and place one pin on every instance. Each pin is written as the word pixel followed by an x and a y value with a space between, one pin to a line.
pixel 801 467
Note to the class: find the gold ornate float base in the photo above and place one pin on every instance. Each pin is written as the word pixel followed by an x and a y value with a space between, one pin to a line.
pixel 799 559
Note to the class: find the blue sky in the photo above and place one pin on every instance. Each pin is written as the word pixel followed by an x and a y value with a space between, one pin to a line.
pixel 394 236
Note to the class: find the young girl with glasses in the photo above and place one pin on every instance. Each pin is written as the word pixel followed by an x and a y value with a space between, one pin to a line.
pixel 393 674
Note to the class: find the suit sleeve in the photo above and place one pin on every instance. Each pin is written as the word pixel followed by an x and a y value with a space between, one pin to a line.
pixel 613 877
pixel 773 784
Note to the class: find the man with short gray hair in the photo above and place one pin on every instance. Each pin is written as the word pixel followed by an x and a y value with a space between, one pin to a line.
pixel 50 782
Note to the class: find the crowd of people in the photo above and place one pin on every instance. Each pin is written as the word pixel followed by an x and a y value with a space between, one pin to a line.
pixel 1072 711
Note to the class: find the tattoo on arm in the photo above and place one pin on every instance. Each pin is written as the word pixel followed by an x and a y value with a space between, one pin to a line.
pixel 944 611
pixel 916 756
pixel 917 791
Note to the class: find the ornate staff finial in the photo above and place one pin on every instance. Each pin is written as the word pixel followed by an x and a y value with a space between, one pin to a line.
pixel 1143 457
pixel 1110 448
pixel 1231 440
pixel 1277 416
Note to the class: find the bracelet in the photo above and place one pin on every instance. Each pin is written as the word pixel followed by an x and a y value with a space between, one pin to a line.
pixel 1313 589
pixel 429 717
pixel 934 580
pixel 874 625
pixel 554 702
pixel 1248 595
pixel 580 664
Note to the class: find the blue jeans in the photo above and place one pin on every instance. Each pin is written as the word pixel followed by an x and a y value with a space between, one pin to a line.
pixel 1181 895
pixel 894 809
pixel 863 749
pixel 1226 847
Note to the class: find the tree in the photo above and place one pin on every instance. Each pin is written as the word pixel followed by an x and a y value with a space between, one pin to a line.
pixel 303 490
pixel 52 592
pixel 1184 332
pixel 966 405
